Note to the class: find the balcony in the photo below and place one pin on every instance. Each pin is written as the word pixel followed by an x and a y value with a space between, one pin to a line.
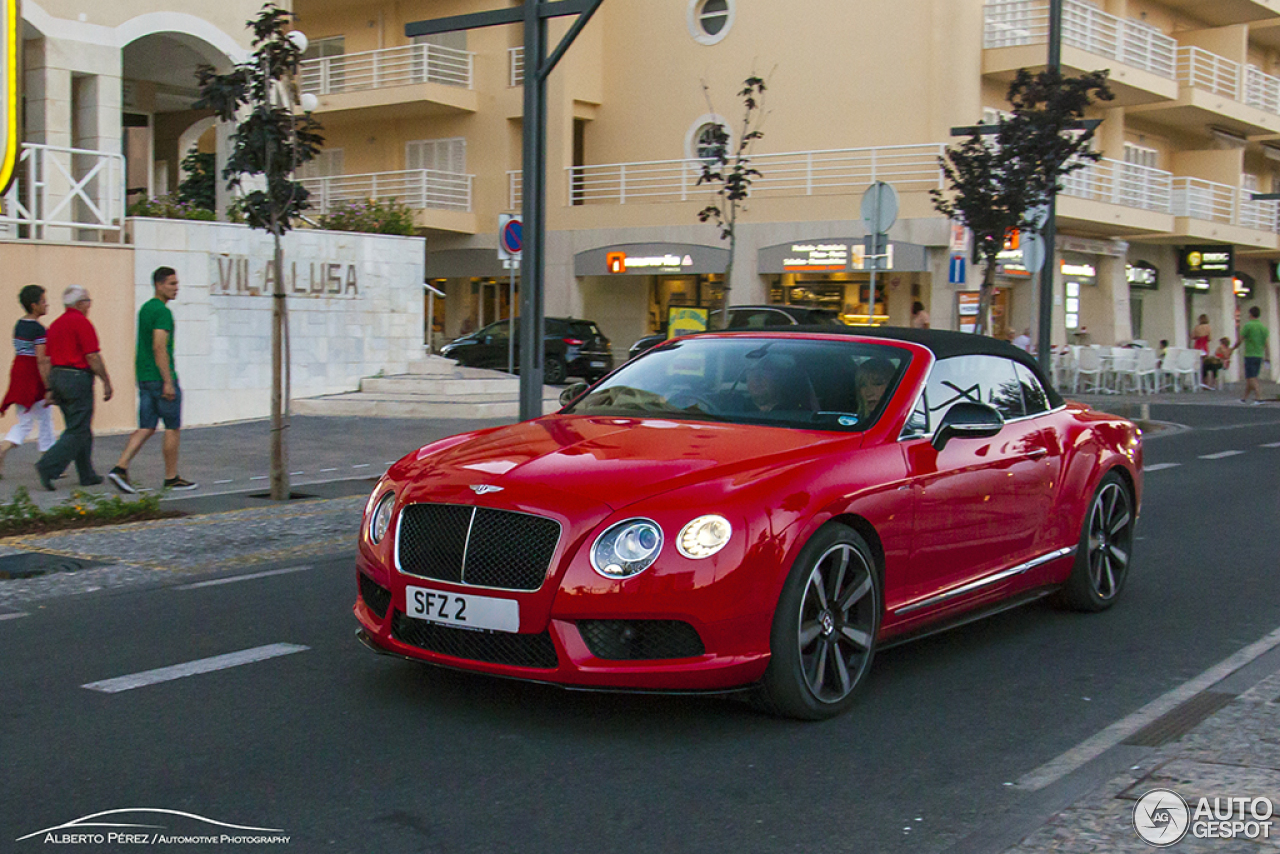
pixel 64 194
pixel 515 65
pixel 1117 199
pixel 426 78
pixel 440 200
pixel 1207 210
pixel 1219 92
pixel 1141 58
pixel 1221 13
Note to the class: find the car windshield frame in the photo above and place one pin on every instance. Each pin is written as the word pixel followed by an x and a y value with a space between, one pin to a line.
pixel 804 383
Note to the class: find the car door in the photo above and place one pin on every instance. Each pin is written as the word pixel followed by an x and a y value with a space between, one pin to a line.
pixel 979 502
pixel 491 345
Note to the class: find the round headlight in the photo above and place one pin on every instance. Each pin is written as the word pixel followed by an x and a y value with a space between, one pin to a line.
pixel 626 549
pixel 381 519
pixel 704 536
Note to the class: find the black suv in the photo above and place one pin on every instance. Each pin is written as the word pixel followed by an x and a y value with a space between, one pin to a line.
pixel 757 317
pixel 573 348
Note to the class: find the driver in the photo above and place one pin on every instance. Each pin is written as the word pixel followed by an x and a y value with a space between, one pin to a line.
pixel 874 376
pixel 776 383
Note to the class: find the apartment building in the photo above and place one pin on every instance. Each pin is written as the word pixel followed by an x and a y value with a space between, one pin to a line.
pixel 857 92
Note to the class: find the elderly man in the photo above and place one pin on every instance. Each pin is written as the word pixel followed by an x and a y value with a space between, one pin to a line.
pixel 75 358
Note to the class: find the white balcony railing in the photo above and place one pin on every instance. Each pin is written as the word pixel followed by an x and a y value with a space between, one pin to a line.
pixel 515 190
pixel 1124 184
pixel 1200 69
pixel 515 62
pixel 910 168
pixel 57 189
pixel 1205 200
pixel 1260 215
pixel 1012 23
pixel 1261 90
pixel 381 69
pixel 420 189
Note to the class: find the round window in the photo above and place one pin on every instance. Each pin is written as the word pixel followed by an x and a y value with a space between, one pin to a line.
pixel 710 20
pixel 706 137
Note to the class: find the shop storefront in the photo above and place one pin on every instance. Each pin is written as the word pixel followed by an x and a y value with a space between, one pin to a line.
pixel 1143 278
pixel 631 289
pixel 836 274
pixel 477 290
pixel 1079 275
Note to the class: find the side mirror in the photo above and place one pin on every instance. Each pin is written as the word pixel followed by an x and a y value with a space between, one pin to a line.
pixel 967 420
pixel 572 392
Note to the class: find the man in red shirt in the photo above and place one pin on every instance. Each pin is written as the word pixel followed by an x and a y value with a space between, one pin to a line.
pixel 72 347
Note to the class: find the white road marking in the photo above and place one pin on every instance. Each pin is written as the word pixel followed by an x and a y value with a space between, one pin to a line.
pixel 260 477
pixel 296 473
pixel 1056 769
pixel 325 470
pixel 233 579
pixel 224 481
pixel 1270 445
pixel 1160 466
pixel 1221 455
pixel 361 466
pixel 191 668
pixel 14 616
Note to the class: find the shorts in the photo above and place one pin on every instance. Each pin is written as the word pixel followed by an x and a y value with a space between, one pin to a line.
pixel 152 408
pixel 1252 367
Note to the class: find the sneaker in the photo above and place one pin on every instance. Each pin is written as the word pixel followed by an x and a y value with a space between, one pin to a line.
pixel 1255 403
pixel 92 480
pixel 120 478
pixel 179 483
pixel 45 480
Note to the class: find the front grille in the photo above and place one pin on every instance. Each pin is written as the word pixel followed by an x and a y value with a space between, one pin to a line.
pixel 476 545
pixel 377 597
pixel 492 647
pixel 631 640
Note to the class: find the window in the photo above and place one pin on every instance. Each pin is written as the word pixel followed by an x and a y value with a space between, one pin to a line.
pixel 448 66
pixel 327 164
pixel 710 20
pixel 981 379
pixel 321 48
pixel 1033 393
pixel 705 136
pixel 440 155
pixel 1138 155
pixel 757 319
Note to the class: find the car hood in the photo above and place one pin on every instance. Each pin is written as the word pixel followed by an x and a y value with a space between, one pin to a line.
pixel 616 461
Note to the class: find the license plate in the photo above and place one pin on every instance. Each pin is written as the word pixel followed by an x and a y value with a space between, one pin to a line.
pixel 597 364
pixel 462 610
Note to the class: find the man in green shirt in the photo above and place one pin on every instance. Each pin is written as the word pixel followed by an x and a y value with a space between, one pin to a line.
pixel 159 397
pixel 1253 335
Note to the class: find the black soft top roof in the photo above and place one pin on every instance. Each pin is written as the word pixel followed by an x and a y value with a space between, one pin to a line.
pixel 942 342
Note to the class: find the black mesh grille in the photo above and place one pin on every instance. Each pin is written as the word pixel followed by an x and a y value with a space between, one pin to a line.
pixel 508 551
pixel 377 597
pixel 630 640
pixel 493 647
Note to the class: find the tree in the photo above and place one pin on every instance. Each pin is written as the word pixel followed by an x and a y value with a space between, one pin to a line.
pixel 729 170
pixel 995 186
pixel 200 187
pixel 269 143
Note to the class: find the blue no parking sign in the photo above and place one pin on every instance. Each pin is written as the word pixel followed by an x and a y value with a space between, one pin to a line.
pixel 510 237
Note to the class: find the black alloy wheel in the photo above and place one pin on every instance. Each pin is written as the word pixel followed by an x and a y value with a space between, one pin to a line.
pixel 824 631
pixel 1105 550
pixel 554 371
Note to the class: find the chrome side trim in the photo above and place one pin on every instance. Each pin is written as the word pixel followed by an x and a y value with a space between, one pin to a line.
pixel 986 581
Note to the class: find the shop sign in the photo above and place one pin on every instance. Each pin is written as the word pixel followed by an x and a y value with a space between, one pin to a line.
pixel 967 303
pixel 685 320
pixel 1196 284
pixel 1142 275
pixel 650 259
pixel 861 261
pixel 818 257
pixel 1009 259
pixel 1079 271
pixel 1206 262
pixel 1242 285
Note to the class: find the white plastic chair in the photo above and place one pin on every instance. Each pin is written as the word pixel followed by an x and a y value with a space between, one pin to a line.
pixel 1186 368
pixel 1088 366
pixel 1146 369
pixel 1123 373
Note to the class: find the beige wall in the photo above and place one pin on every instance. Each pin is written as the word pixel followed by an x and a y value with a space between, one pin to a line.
pixel 227 15
pixel 107 272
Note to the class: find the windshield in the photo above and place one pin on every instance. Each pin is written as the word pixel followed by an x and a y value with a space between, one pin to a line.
pixel 788 382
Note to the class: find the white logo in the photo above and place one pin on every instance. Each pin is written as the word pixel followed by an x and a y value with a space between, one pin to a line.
pixel 114 827
pixel 484 488
pixel 1161 817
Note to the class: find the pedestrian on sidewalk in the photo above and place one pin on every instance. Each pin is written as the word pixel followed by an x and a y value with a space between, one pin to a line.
pixel 1219 361
pixel 75 359
pixel 159 396
pixel 1200 335
pixel 1253 335
pixel 29 376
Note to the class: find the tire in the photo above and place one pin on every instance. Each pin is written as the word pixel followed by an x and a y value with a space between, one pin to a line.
pixel 1105 550
pixel 804 679
pixel 554 371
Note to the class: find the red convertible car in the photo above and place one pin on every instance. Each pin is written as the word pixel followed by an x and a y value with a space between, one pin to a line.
pixel 755 510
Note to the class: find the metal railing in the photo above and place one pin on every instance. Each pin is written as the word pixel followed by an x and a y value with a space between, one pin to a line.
pixel 1261 90
pixel 1118 183
pixel 515 189
pixel 381 69
pixel 910 168
pixel 515 62
pixel 1205 200
pixel 1014 23
pixel 64 188
pixel 1200 69
pixel 420 189
pixel 1258 215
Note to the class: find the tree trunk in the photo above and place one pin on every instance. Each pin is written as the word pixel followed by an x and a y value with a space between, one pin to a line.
pixel 985 294
pixel 279 446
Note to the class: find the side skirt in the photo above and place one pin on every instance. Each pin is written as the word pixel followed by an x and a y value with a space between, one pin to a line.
pixel 968 617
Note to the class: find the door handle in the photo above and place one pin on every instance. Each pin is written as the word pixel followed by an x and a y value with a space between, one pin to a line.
pixel 1037 453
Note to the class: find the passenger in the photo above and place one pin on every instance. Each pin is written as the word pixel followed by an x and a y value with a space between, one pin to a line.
pixel 874 376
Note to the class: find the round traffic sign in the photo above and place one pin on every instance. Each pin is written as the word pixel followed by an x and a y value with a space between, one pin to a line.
pixel 879 207
pixel 512 236
pixel 1033 247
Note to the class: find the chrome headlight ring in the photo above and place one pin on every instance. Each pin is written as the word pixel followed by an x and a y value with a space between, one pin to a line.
pixel 627 548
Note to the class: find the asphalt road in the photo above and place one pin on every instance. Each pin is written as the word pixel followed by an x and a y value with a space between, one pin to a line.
pixel 345 751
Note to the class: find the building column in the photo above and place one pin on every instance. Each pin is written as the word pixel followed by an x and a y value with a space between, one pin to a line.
pixel 1113 290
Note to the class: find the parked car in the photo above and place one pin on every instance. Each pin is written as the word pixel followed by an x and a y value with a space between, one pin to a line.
pixel 755 317
pixel 573 347
pixel 758 510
